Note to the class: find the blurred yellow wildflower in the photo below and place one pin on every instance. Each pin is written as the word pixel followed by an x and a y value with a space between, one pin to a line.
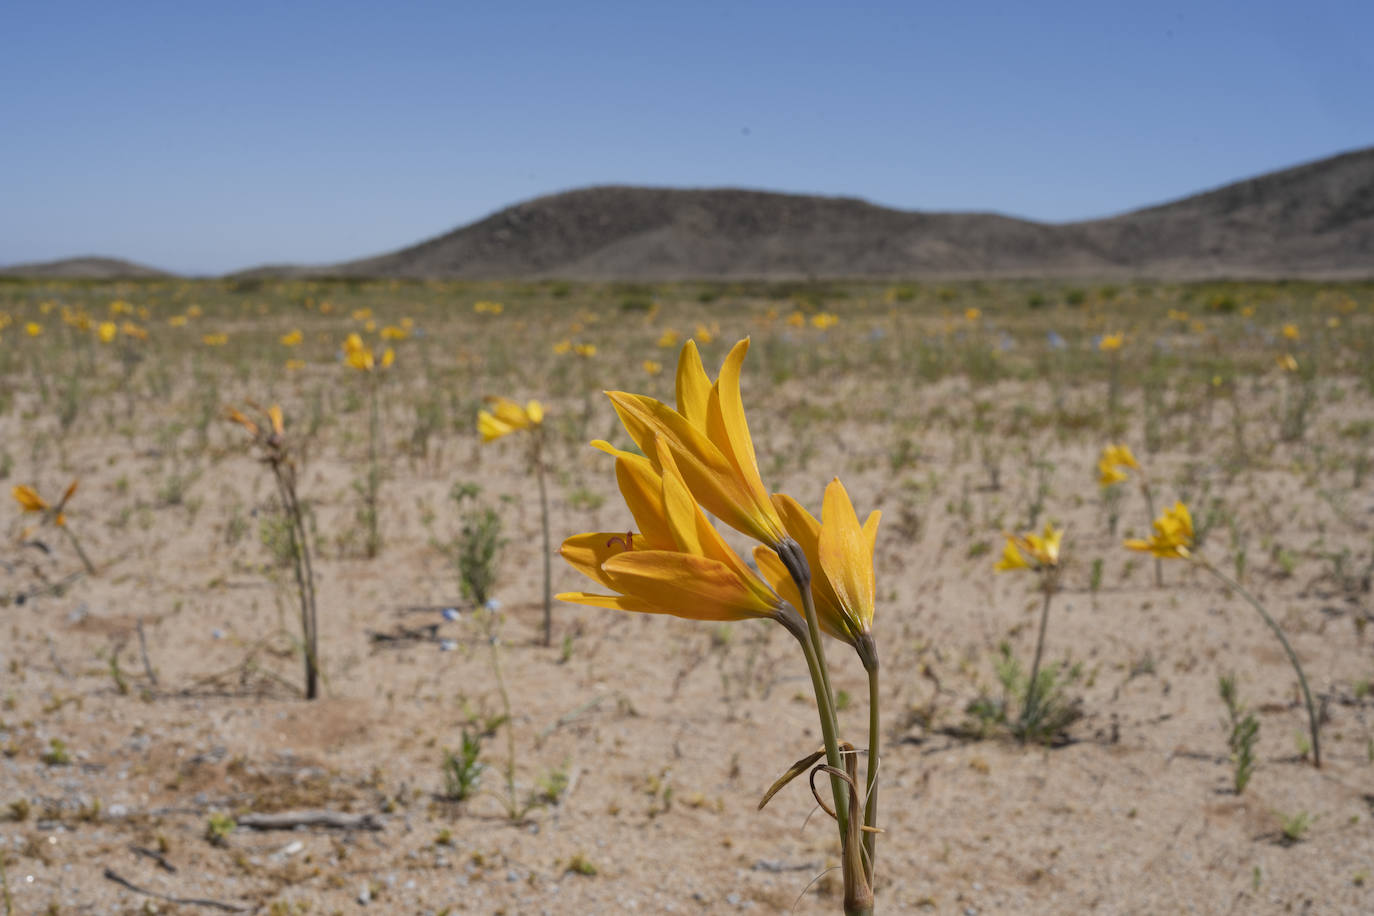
pixel 1111 462
pixel 488 308
pixel 294 364
pixel 358 355
pixel 652 367
pixel 1176 315
pixel 562 347
pixel 1333 322
pixel 293 339
pixel 194 311
pixel 30 501
pixel 218 339
pixel 796 320
pixel 506 416
pixel 707 334
pixel 824 320
pixel 585 350
pixel 972 314
pixel 33 329
pixel 177 321
pixel 129 329
pixel 1291 332
pixel 669 338
pixel 393 332
pixel 1173 535
pixel 362 314
pixel 1031 550
pixel 1288 363
pixel 107 331
pixel 1110 342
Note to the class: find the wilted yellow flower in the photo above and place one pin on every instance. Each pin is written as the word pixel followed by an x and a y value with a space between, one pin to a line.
pixel 1288 363
pixel 218 339
pixel 33 329
pixel 972 314
pixel 107 331
pixel 652 367
pixel 506 416
pixel 1110 342
pixel 824 320
pixel 669 338
pixel 1291 332
pixel 30 501
pixel 585 350
pixel 177 321
pixel 293 339
pixel 1173 535
pixel 562 347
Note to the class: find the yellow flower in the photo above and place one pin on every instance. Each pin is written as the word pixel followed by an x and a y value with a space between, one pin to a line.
pixel 669 339
pixel 488 308
pixel 506 416
pixel 1176 315
pixel 1291 332
pixel 33 329
pixel 292 339
pixel 1173 535
pixel 1333 322
pixel 408 323
pixel 652 367
pixel 1287 363
pixel 1248 311
pixel 1110 342
pixel 677 563
pixel 1031 550
pixel 708 437
pixel 107 331
pixel 294 364
pixel 707 334
pixel 120 307
pixel 1110 464
pixel 839 552
pixel 194 311
pixel 392 332
pixel 129 329
pixel 585 350
pixel 972 314
pixel 215 340
pixel 177 321
pixel 796 320
pixel 823 321
pixel 369 326
pixel 362 314
pixel 562 347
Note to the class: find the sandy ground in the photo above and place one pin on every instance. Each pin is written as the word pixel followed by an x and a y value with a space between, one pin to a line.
pixel 667 731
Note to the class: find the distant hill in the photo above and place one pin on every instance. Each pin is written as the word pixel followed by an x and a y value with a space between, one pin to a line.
pixel 1313 220
pixel 86 268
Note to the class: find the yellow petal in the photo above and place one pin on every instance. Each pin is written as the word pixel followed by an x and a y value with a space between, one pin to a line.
pixel 586 552
pixel 278 422
pixel 685 586
pixel 535 412
pixel 28 498
pixel 388 357
pixel 846 557
pixel 616 602
pixel 729 430
pixel 693 385
pixel 492 428
pixel 1011 558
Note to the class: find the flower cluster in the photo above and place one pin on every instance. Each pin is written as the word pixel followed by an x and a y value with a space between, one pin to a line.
pixel 698 459
pixel 1173 535
pixel 1112 466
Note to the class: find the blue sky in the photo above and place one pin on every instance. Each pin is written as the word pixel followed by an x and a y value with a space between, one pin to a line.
pixel 210 137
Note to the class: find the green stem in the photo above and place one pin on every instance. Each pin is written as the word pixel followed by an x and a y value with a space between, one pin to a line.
pixel 544 522
pixel 1032 687
pixel 871 780
pixel 76 545
pixel 1150 507
pixel 825 706
pixel 1312 722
